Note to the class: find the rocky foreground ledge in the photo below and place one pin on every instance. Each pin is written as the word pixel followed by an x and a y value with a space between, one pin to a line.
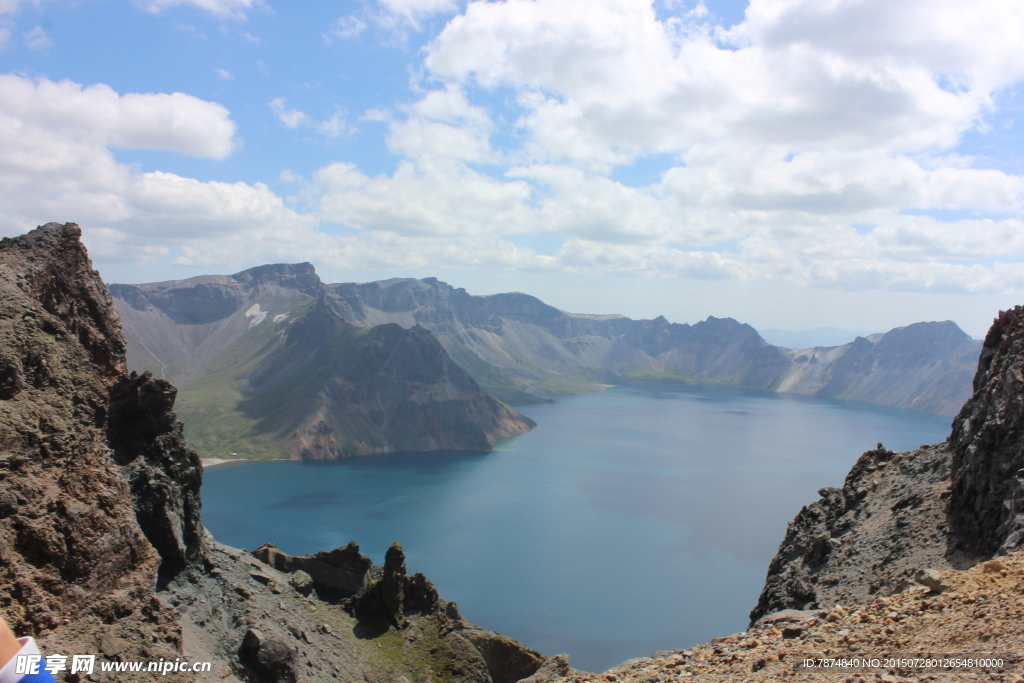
pixel 975 614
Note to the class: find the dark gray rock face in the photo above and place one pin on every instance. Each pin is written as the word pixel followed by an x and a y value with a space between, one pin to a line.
pixel 269 336
pixel 163 473
pixel 926 366
pixel 270 659
pixel 864 540
pixel 382 389
pixel 522 350
pixel 986 510
pixel 334 574
pixel 396 594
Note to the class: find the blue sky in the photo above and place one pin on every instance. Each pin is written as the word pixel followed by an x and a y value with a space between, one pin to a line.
pixel 790 163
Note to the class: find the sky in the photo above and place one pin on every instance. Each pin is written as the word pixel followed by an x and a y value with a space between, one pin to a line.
pixel 789 163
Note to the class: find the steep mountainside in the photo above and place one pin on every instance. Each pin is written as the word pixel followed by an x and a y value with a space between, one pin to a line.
pixel 945 506
pixel 102 550
pixel 522 350
pixel 514 344
pixel 76 554
pixel 924 366
pixel 271 370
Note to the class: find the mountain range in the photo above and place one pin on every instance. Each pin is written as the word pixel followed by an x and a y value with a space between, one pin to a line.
pixel 269 369
pixel 104 549
pixel 273 362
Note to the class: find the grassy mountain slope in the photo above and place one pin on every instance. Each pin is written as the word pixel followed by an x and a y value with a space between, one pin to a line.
pixel 314 386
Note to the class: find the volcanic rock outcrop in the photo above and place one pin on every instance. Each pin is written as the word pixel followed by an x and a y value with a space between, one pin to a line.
pixel 986 508
pixel 88 524
pixel 946 506
pixel 102 550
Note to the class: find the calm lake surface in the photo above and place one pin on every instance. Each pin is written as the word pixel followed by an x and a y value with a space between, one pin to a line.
pixel 634 520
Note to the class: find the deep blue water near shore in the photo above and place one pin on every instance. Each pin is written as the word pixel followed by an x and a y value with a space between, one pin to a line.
pixel 638 519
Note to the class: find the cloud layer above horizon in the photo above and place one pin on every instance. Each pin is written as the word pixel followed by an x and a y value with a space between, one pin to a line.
pixel 828 144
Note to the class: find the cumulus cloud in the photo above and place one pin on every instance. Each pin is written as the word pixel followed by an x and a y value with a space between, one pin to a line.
pixel 436 199
pixel 603 82
pixel 97 114
pixel 809 138
pixel 394 17
pixel 414 10
pixel 442 125
pixel 12 6
pixel 57 164
pixel 291 118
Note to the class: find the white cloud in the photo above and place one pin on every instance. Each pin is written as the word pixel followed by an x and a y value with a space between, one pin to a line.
pixel 334 126
pixel 36 39
pixel 604 81
pixel 97 114
pixel 395 18
pixel 291 118
pixel 224 75
pixel 431 200
pixel 804 137
pixel 442 125
pixel 56 163
pixel 805 146
pixel 6 29
pixel 12 6
pixel 228 9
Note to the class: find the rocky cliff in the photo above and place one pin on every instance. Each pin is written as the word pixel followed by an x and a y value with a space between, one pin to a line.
pixel 986 507
pixel 939 507
pixel 102 550
pixel 89 524
pixel 271 370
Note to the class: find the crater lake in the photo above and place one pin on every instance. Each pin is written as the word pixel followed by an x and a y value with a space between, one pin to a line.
pixel 634 520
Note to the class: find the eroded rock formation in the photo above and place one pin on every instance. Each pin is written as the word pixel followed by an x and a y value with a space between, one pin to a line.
pixel 77 557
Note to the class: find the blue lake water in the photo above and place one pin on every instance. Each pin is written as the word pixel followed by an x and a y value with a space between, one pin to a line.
pixel 634 520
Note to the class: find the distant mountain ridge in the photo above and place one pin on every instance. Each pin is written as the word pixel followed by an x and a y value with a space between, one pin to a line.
pixel 515 344
pixel 269 369
pixel 206 333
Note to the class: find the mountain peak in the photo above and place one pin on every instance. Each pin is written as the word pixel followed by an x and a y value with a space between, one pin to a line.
pixel 298 276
